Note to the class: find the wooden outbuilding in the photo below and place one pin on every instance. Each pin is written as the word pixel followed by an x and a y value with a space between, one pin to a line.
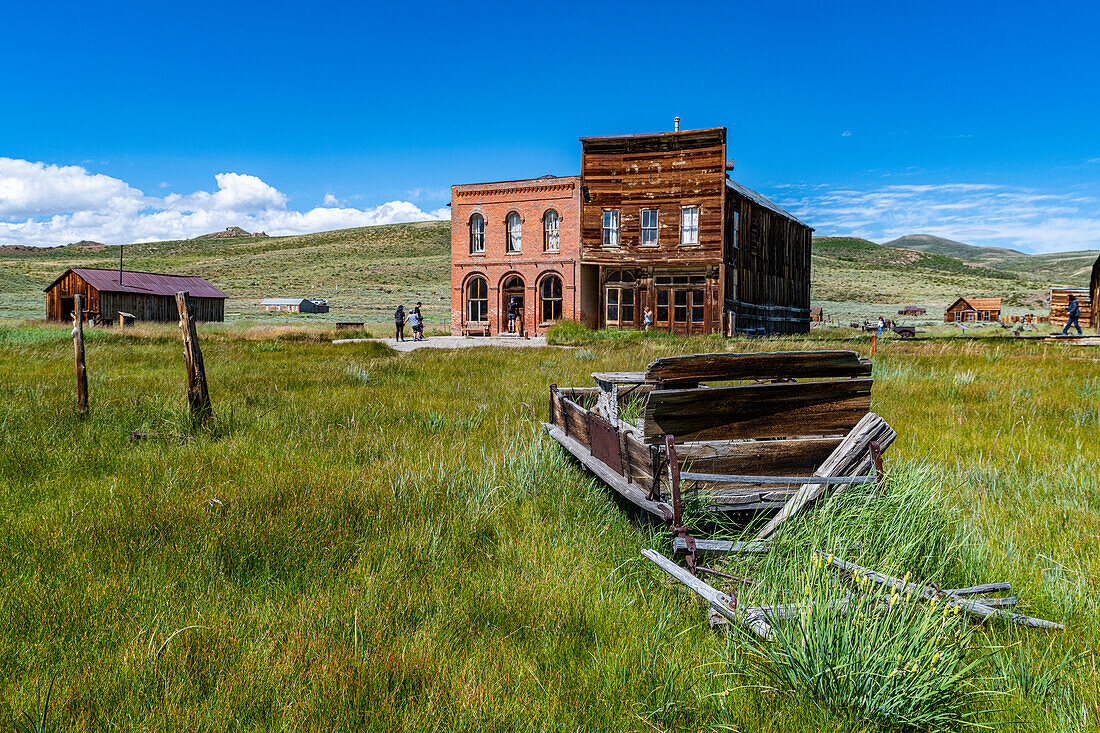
pixel 295 305
pixel 974 310
pixel 913 310
pixel 817 314
pixel 148 296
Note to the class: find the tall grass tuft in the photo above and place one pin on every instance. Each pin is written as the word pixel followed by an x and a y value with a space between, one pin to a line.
pixel 858 648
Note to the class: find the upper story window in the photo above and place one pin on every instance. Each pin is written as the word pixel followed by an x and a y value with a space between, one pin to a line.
pixel 550 241
pixel 515 232
pixel 735 235
pixel 689 225
pixel 611 228
pixel 649 226
pixel 477 233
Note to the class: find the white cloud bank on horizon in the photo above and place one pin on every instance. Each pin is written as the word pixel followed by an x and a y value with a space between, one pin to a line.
pixel 1024 219
pixel 43 204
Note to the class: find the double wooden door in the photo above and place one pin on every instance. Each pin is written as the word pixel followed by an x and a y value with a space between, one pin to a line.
pixel 679 304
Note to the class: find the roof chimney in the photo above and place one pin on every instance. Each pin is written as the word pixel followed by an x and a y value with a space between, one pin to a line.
pixel 676 124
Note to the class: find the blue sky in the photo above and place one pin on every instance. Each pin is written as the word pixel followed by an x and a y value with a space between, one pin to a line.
pixel 124 122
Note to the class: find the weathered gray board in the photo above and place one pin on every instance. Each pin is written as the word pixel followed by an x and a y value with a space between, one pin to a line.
pixel 761 365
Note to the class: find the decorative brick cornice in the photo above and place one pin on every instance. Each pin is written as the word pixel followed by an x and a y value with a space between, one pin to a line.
pixel 511 190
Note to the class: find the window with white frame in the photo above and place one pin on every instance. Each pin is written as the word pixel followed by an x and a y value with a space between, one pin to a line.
pixel 689 225
pixel 611 228
pixel 477 233
pixel 550 231
pixel 515 232
pixel 649 226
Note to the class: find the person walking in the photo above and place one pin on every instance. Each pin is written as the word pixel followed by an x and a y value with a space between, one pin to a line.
pixel 881 325
pixel 399 323
pixel 414 322
pixel 513 308
pixel 647 319
pixel 418 329
pixel 1073 310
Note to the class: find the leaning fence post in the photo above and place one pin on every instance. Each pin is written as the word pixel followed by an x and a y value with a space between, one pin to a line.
pixel 78 347
pixel 198 397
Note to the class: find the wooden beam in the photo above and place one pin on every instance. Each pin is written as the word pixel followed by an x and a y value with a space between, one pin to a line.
pixel 631 492
pixel 198 396
pixel 969 606
pixel 679 544
pixel 778 410
pixel 719 601
pixel 758 365
pixel 78 347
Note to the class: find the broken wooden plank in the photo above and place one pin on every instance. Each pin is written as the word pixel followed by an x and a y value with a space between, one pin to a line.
pixel 679 544
pixel 631 492
pixel 758 365
pixel 852 452
pixel 78 351
pixel 966 605
pixel 718 600
pixel 720 478
pixel 976 590
pixel 618 378
pixel 791 610
pixel 778 410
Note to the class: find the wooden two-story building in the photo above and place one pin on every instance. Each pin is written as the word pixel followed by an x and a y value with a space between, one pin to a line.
pixel 658 225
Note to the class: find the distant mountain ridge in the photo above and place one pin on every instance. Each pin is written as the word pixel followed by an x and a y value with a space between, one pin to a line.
pixel 1056 268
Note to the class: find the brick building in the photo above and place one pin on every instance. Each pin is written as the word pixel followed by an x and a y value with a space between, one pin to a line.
pixel 652 222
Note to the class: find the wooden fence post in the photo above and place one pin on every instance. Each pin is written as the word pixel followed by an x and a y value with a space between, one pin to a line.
pixel 198 397
pixel 78 347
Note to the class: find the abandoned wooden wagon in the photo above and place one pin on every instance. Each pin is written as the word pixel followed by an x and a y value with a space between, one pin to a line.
pixel 759 432
pixel 148 296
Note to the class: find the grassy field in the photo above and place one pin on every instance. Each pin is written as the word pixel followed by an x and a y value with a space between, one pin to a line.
pixel 366 541
pixel 365 273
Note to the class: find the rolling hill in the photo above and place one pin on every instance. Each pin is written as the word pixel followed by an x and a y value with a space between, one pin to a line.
pixel 365 272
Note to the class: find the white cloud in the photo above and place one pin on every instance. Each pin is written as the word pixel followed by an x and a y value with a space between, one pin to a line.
pixel 1024 219
pixel 46 204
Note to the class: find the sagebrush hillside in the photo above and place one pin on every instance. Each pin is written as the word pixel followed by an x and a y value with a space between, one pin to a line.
pixel 366 272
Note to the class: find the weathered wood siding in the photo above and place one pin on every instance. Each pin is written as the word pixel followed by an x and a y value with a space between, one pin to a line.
pixel 767 269
pixel 665 172
pixel 1059 306
pixel 59 298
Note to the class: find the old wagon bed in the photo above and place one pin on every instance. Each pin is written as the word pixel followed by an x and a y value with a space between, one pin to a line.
pixel 758 432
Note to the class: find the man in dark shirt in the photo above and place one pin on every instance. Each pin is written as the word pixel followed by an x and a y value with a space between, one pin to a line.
pixel 1073 310
pixel 399 323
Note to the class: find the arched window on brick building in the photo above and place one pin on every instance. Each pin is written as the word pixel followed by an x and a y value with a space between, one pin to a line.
pixel 550 299
pixel 515 232
pixel 550 240
pixel 477 300
pixel 477 234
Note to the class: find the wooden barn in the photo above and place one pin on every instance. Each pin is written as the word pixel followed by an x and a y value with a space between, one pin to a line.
pixel 913 310
pixel 1059 304
pixel 974 310
pixel 148 296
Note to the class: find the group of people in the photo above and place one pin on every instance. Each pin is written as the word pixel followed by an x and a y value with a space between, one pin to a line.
pixel 413 318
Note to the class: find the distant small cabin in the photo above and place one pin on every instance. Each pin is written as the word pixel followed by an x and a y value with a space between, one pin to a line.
pixel 295 305
pixel 817 313
pixel 148 296
pixel 1059 306
pixel 973 310
pixel 913 310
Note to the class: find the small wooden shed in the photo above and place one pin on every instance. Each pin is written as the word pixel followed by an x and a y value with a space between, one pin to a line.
pixel 913 310
pixel 149 296
pixel 973 310
pixel 295 305
pixel 817 314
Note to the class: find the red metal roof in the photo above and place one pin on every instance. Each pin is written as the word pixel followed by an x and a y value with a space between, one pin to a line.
pixel 144 283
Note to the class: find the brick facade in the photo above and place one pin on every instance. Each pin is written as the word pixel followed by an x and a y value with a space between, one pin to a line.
pixel 521 273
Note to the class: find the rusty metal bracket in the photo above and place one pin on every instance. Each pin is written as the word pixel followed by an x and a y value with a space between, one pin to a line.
pixel 678 528
pixel 876 459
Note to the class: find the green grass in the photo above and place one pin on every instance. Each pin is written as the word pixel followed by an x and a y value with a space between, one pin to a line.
pixel 367 541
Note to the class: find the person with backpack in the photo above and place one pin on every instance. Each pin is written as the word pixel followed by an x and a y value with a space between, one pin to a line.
pixel 418 327
pixel 399 323
pixel 1073 310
